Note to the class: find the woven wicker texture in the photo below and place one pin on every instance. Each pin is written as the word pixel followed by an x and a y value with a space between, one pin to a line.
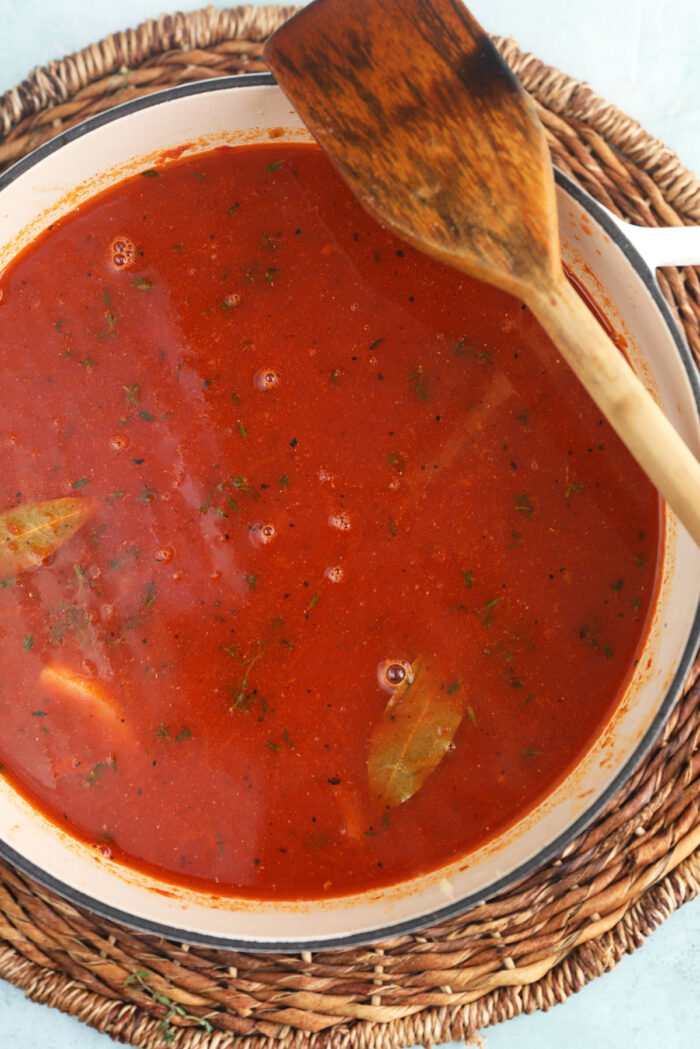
pixel 529 948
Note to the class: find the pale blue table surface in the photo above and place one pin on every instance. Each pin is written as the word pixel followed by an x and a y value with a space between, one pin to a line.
pixel 642 55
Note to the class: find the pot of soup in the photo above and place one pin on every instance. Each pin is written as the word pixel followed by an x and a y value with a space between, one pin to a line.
pixel 329 604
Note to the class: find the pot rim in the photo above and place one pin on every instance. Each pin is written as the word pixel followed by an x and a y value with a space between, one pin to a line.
pixel 647 276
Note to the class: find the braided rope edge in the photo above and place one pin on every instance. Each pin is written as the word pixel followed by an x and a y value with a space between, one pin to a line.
pixel 562 95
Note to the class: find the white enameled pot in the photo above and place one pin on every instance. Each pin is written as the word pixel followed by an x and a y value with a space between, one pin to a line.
pixel 615 264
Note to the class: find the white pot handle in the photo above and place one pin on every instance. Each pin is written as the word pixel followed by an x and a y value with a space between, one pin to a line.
pixel 664 245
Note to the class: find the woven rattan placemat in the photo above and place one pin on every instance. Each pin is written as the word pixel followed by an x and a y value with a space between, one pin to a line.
pixel 529 948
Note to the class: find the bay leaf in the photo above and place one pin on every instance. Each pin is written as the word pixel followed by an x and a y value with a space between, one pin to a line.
pixel 30 533
pixel 412 737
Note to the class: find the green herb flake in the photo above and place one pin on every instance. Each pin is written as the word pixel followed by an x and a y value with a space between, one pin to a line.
pixel 242 430
pixel 587 633
pixel 377 342
pixel 28 643
pixel 453 688
pixel 142 283
pixel 463 348
pixel 572 489
pixel 183 734
pixel 7 582
pixel 150 173
pixel 636 604
pixel 176 247
pixel 489 611
pixel 118 493
pixel 147 416
pixel 471 714
pixel 608 651
pixel 522 418
pixel 523 504
pixel 251 579
pixel 206 505
pixel 313 602
pixel 334 376
pixel 385 820
pixel 640 559
pixel 271 275
pixel 81 482
pixel 283 482
pixel 142 978
pixel 530 752
pixel 419 383
pixel 273 746
pixel 269 243
pixel 233 208
pixel 286 738
pixel 107 332
pixel 163 732
pixel 274 166
pixel 617 586
pixel 392 526
pixel 98 771
pixel 240 698
pixel 468 578
pixel 149 594
pixel 516 538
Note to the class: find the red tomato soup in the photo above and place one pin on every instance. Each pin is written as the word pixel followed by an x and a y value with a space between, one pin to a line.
pixel 318 568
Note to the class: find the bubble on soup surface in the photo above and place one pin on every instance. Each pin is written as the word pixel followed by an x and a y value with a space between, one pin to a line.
pixel 334 573
pixel 122 251
pixel 164 554
pixel 119 442
pixel 391 672
pixel 341 521
pixel 265 379
pixel 262 533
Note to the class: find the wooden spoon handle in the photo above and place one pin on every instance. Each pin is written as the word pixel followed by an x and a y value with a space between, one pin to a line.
pixel 622 398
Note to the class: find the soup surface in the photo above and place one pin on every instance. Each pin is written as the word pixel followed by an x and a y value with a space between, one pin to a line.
pixel 318 568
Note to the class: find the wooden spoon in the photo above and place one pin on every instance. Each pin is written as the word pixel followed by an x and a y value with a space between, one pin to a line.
pixel 438 141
